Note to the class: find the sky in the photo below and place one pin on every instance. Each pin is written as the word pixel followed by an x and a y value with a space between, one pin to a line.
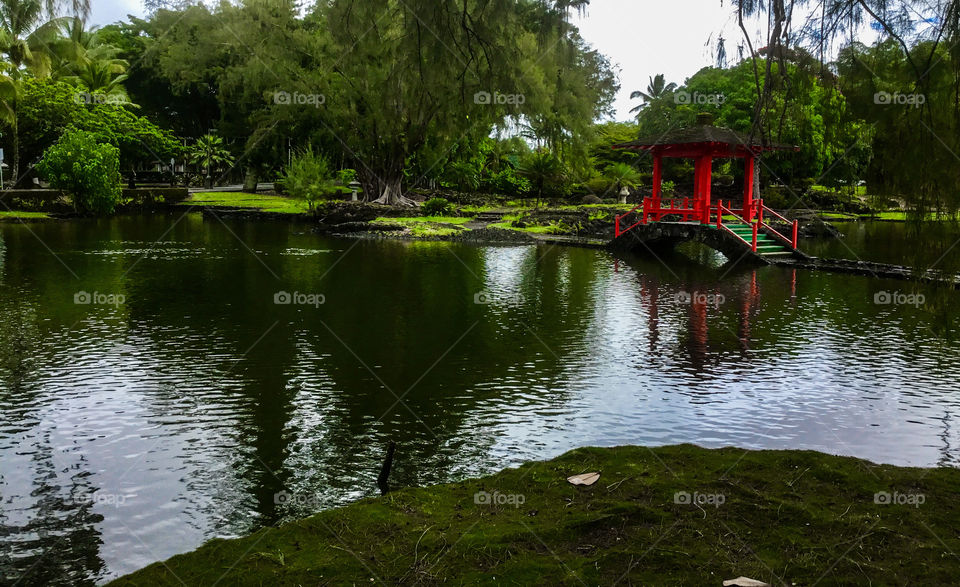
pixel 641 37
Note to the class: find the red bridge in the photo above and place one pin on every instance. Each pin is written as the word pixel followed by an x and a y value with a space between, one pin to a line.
pixel 751 227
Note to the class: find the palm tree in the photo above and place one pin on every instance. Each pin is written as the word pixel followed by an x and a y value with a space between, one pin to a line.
pixel 24 42
pixel 26 36
pixel 28 31
pixel 462 174
pixel 622 176
pixel 9 92
pixel 543 169
pixel 657 89
pixel 82 58
pixel 209 153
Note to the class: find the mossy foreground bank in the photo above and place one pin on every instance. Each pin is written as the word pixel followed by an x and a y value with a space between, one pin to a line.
pixel 678 515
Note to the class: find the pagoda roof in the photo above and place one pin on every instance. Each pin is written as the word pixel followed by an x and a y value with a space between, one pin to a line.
pixel 703 139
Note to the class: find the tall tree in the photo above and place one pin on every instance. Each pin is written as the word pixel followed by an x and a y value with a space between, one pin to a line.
pixel 83 57
pixel 420 74
pixel 25 38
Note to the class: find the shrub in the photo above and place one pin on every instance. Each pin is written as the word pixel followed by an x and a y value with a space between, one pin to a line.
pixel 598 185
pixel 591 199
pixel 806 183
pixel 436 207
pixel 88 170
pixel 506 182
pixel 346 176
pixel 774 197
pixel 309 177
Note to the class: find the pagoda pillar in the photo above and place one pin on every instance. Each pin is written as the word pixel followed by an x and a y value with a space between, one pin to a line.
pixel 657 182
pixel 748 171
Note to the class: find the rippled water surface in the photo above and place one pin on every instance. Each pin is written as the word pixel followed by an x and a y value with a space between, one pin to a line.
pixel 198 407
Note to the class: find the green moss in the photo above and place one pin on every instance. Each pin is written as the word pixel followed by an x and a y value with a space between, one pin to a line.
pixel 263 202
pixel 552 228
pixel 427 231
pixel 786 516
pixel 421 219
pixel 617 207
pixel 428 226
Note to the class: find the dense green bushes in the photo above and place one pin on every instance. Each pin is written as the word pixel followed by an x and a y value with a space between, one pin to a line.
pixel 47 108
pixel 436 207
pixel 88 170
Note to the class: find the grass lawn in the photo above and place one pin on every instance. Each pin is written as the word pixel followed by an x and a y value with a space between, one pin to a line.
pixel 859 190
pixel 838 216
pixel 14 214
pixel 477 209
pixel 264 202
pixel 906 216
pixel 678 515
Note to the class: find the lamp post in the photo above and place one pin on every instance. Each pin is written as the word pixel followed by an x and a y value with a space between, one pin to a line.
pixel 354 186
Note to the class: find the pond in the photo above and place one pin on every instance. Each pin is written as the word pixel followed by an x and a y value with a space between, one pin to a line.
pixel 931 244
pixel 168 379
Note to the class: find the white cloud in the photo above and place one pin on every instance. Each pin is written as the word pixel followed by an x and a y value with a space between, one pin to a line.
pixel 674 38
pixel 110 11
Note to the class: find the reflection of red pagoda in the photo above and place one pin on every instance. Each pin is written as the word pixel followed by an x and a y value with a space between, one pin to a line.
pixel 698 308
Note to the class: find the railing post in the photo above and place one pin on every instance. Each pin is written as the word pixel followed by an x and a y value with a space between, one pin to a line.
pixel 756 226
pixel 616 227
pixel 760 211
pixel 796 225
pixel 719 214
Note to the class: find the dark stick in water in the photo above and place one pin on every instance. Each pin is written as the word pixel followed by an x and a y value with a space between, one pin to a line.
pixel 385 470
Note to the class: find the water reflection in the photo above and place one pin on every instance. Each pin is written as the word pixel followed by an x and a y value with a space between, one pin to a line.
pixel 211 410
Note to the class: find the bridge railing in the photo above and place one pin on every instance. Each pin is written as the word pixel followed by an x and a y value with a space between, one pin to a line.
pixel 761 209
pixel 721 210
pixel 617 231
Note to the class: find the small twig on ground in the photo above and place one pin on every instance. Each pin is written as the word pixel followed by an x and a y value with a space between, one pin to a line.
pixel 617 484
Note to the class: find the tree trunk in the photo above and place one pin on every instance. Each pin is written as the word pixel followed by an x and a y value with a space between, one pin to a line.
pixel 756 180
pixel 383 188
pixel 391 193
pixel 15 147
pixel 250 181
